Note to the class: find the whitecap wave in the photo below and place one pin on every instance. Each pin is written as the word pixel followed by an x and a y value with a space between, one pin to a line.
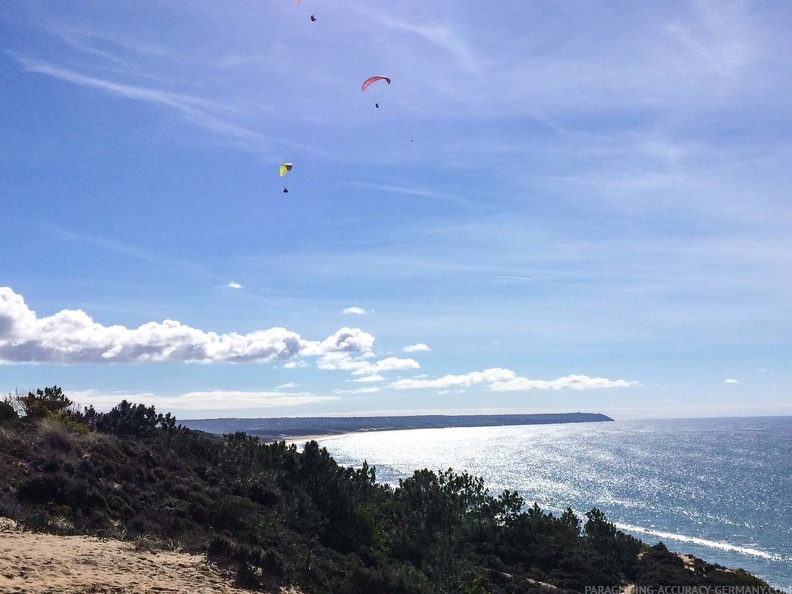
pixel 715 544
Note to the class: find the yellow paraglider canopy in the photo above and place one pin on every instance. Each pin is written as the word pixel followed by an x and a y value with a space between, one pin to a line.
pixel 284 168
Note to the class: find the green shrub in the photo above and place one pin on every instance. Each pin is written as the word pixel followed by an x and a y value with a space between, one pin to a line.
pixel 7 412
pixel 233 513
pixel 42 489
pixel 128 419
pixel 46 402
pixel 222 547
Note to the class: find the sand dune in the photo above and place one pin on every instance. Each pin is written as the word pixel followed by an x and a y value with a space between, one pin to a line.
pixel 43 563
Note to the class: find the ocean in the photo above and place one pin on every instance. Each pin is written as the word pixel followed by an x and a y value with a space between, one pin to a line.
pixel 719 489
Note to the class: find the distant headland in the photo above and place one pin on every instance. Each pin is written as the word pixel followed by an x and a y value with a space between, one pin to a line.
pixel 274 429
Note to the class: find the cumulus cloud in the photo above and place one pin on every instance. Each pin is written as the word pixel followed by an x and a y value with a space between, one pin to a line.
pixel 358 311
pixel 731 381
pixel 233 285
pixel 345 340
pixel 71 336
pixel 506 380
pixel 416 348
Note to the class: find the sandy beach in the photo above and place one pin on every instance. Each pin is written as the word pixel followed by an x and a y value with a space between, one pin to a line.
pixel 300 441
pixel 33 563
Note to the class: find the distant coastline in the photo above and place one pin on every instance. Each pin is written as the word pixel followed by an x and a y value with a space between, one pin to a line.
pixel 292 428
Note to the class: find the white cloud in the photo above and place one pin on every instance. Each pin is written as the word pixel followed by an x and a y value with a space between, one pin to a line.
pixel 387 364
pixel 369 390
pixel 358 311
pixel 370 378
pixel 345 340
pixel 200 401
pixel 573 382
pixel 416 348
pixel 360 366
pixel 233 285
pixel 488 376
pixel 71 336
pixel 506 380
pixel 731 381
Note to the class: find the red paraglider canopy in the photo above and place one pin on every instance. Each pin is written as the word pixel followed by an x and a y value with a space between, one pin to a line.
pixel 374 79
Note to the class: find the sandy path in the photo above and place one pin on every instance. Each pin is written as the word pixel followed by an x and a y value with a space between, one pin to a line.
pixel 43 563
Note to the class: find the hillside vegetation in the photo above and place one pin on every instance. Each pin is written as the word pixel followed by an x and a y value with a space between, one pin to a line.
pixel 276 514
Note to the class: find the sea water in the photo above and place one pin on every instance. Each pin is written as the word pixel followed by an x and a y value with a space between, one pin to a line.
pixel 719 489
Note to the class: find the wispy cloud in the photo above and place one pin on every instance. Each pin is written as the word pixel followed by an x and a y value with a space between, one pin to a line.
pixel 444 38
pixel 358 311
pixel 439 35
pixel 233 285
pixel 197 110
pixel 363 365
pixel 731 381
pixel 367 390
pixel 418 192
pixel 370 379
pixel 217 400
pixel 506 380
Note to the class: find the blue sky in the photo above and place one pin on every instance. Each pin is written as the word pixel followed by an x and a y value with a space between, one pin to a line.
pixel 558 206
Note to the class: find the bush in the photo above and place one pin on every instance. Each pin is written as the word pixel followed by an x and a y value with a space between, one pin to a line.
pixel 221 547
pixel 128 419
pixel 7 412
pixel 46 402
pixel 55 436
pixel 233 513
pixel 42 489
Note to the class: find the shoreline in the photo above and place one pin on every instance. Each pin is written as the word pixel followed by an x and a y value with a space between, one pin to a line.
pixel 301 440
pixel 295 428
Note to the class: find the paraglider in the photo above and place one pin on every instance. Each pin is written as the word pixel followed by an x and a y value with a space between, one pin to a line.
pixel 284 168
pixel 313 19
pixel 374 79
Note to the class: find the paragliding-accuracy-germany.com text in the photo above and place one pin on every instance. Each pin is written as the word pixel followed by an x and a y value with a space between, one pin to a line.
pixel 679 590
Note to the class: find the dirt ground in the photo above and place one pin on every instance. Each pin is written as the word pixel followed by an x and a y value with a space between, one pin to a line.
pixel 33 563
